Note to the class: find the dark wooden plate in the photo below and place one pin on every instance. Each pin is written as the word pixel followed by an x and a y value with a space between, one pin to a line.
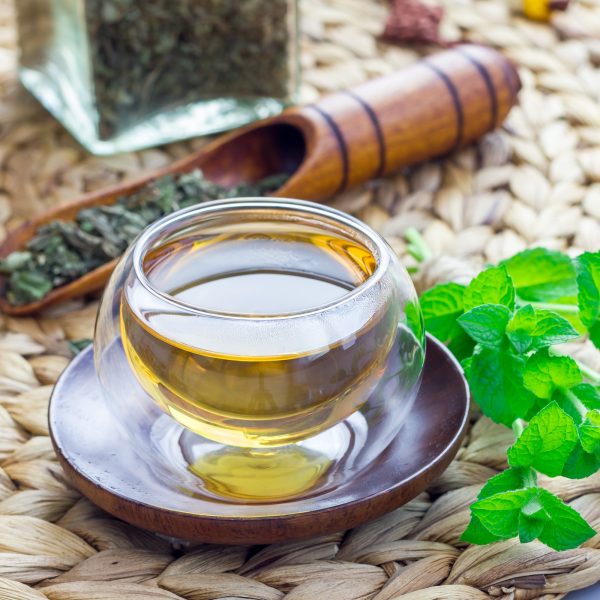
pixel 99 459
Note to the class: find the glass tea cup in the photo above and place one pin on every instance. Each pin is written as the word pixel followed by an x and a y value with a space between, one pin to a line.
pixel 272 347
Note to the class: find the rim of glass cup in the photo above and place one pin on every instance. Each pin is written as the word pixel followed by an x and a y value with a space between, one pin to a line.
pixel 155 231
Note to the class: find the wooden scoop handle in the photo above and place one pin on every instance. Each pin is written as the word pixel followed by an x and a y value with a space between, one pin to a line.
pixel 426 110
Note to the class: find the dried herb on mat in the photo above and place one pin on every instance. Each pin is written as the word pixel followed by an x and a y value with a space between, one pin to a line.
pixel 63 251
pixel 506 327
pixel 76 346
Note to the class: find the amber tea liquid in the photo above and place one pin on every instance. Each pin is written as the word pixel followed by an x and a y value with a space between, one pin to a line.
pixel 257 398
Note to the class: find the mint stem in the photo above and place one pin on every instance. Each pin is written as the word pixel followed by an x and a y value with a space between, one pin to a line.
pixel 417 247
pixel 530 478
pixel 588 372
pixel 529 474
pixel 560 308
pixel 518 426
pixel 577 404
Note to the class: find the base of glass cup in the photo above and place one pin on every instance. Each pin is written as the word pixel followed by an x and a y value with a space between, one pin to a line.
pixel 226 474
pixel 56 93
pixel 266 475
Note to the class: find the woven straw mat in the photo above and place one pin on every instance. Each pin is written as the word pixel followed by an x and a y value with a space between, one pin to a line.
pixel 535 182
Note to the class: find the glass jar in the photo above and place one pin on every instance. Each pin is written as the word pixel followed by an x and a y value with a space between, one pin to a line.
pixel 125 74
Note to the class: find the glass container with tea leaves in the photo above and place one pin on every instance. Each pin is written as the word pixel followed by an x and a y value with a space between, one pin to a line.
pixel 127 74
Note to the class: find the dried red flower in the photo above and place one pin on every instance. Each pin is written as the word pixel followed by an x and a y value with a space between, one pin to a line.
pixel 411 21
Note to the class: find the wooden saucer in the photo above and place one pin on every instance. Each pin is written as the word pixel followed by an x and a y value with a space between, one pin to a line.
pixel 99 460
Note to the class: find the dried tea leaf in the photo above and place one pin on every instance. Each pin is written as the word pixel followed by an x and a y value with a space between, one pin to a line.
pixel 147 60
pixel 62 251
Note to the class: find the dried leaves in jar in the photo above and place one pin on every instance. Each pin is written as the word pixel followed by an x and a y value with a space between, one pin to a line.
pixel 150 56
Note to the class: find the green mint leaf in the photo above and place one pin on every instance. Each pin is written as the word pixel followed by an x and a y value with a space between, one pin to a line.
pixel 519 330
pixel 476 533
pixel 530 513
pixel 588 298
pixel 581 464
pixel 441 307
pixel 541 275
pixel 511 479
pixel 589 432
pixel 566 529
pixel 76 346
pixel 529 528
pixel 461 345
pixel 546 443
pixel 486 324
pixel 496 381
pixel 531 329
pixel 492 286
pixel 532 520
pixel 588 394
pixel 564 398
pixel 499 514
pixel 544 374
pixel 572 317
pixel 414 319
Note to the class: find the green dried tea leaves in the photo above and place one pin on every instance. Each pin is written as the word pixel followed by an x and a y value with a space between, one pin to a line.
pixel 154 56
pixel 63 251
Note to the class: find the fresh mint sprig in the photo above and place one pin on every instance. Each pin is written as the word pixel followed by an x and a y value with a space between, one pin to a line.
pixel 503 327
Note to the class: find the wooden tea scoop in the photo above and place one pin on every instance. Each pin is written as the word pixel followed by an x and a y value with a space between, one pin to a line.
pixel 426 110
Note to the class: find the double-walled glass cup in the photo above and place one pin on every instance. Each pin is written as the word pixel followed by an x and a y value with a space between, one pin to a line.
pixel 272 346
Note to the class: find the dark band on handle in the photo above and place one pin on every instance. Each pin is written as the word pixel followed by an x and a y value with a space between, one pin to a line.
pixel 511 79
pixel 378 131
pixel 342 147
pixel 489 84
pixel 458 109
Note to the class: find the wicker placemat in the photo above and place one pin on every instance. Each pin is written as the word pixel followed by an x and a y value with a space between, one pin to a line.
pixel 535 182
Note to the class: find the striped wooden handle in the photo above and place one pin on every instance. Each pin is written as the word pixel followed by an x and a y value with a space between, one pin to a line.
pixel 426 110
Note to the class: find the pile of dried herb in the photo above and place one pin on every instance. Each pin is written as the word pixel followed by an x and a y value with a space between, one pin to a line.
pixel 63 251
pixel 150 56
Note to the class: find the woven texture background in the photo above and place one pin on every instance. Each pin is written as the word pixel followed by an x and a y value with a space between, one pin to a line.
pixel 535 182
